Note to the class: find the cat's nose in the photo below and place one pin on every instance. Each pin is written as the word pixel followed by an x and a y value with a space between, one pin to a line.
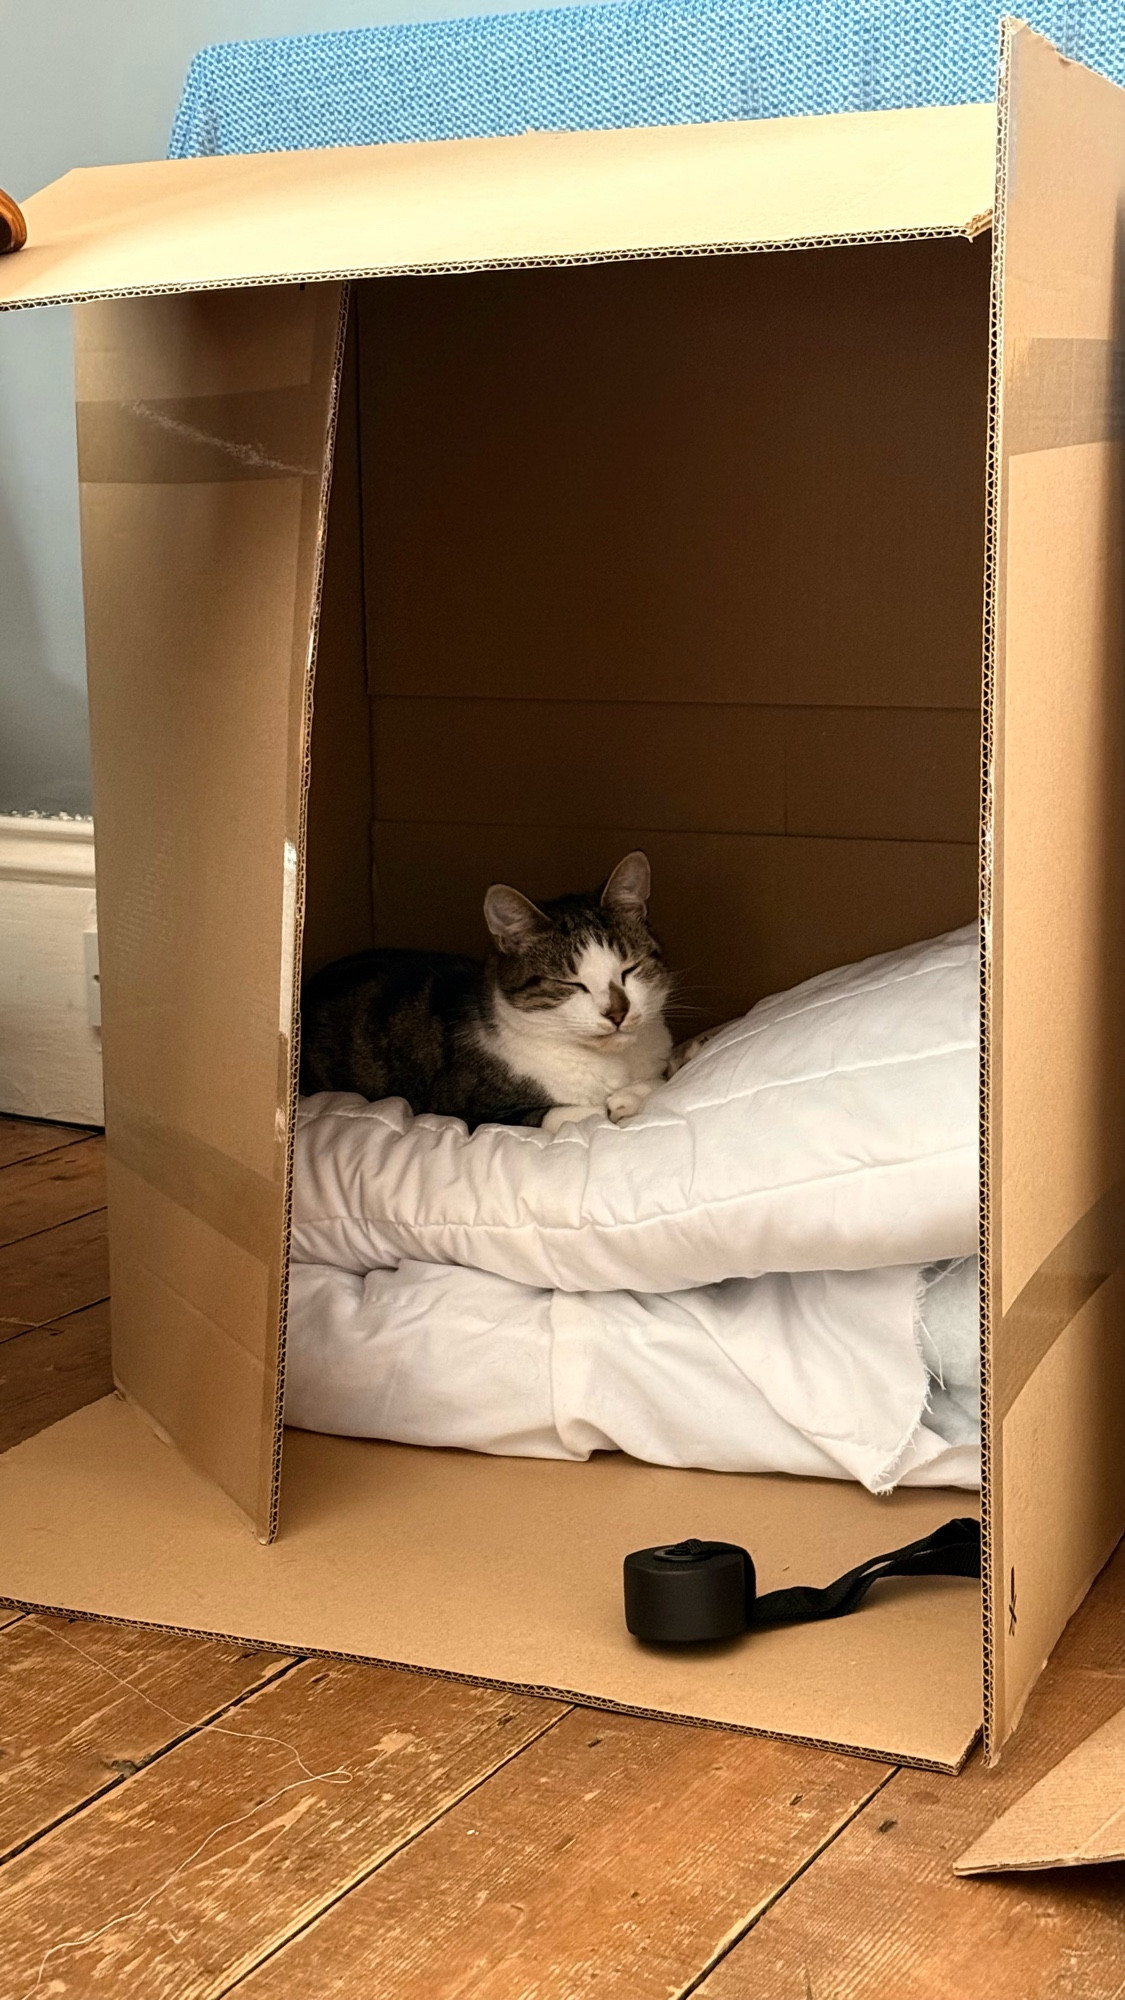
pixel 617 1006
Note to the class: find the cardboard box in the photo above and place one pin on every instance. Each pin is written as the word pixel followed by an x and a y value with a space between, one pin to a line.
pixel 621 485
pixel 1073 1818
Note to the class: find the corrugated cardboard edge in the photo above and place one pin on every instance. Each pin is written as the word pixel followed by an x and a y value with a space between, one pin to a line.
pixel 543 1693
pixel 1073 1818
pixel 972 227
pixel 273 1509
pixel 989 911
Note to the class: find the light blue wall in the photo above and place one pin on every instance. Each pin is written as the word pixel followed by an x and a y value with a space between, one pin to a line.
pixel 83 82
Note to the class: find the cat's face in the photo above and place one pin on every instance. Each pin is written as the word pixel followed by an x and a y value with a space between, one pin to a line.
pixel 582 967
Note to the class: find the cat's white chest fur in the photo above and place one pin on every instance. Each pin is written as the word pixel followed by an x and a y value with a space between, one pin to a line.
pixel 583 1075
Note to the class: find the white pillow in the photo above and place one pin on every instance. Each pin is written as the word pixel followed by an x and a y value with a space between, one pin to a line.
pixel 833 1128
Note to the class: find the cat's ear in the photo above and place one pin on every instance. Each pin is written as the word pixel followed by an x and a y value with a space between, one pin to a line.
pixel 628 887
pixel 512 918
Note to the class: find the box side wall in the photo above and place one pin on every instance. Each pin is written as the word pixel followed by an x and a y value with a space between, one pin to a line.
pixel 1056 931
pixel 681 555
pixel 203 428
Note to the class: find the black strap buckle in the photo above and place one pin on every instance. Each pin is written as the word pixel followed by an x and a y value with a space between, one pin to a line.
pixel 694 1592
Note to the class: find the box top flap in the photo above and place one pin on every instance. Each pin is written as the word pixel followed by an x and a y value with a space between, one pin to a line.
pixel 1073 1816
pixel 196 225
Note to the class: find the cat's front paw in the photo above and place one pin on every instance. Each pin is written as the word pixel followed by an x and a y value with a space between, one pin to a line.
pixel 627 1101
pixel 569 1114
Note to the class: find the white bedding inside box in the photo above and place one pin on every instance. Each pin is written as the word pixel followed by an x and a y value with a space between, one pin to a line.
pixel 817 1374
pixel 615 656
pixel 742 1277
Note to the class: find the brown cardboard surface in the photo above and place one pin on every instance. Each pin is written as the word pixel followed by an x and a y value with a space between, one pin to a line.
pixel 502 1569
pixel 1073 1817
pixel 195 700
pixel 1054 891
pixel 1063 849
pixel 686 555
pixel 195 224
pixel 1089 1254
pixel 1064 1483
pixel 740 479
pixel 871 773
pixel 740 915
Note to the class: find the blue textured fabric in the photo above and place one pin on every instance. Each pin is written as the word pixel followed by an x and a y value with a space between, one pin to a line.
pixel 625 62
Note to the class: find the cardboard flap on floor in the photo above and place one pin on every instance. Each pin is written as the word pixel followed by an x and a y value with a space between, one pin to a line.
pixel 1072 1818
pixel 634 547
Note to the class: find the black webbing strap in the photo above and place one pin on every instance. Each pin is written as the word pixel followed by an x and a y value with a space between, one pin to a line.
pixel 692 1591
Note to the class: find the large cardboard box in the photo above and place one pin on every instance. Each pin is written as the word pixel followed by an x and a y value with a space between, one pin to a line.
pixel 483 509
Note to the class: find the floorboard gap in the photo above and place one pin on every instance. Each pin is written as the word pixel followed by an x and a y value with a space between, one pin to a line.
pixel 729 1944
pixel 115 1784
pixel 13 1242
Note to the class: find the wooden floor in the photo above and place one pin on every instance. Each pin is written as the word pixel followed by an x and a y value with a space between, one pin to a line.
pixel 182 1819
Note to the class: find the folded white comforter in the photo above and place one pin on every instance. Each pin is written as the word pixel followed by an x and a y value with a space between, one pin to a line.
pixel 736 1279
pixel 818 1373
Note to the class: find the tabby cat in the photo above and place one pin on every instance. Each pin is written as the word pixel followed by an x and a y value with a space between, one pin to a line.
pixel 563 1021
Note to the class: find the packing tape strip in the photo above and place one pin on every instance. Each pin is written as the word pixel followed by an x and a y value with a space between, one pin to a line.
pixel 1062 392
pixel 1073 1271
pixel 202 440
pixel 244 1206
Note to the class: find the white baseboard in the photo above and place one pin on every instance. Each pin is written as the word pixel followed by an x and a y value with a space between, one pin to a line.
pixel 50 1055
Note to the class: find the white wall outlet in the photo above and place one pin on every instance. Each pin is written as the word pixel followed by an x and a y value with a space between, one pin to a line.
pixel 93 979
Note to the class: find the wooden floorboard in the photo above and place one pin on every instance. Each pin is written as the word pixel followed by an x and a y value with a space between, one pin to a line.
pixel 51 1274
pixel 24 1138
pixel 84 1705
pixel 459 1843
pixel 55 1187
pixel 196 1867
pixel 616 1856
pixel 882 1914
pixel 53 1370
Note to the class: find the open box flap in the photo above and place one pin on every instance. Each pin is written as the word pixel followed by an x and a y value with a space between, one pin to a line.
pixel 1073 1817
pixel 1054 887
pixel 181 225
pixel 204 445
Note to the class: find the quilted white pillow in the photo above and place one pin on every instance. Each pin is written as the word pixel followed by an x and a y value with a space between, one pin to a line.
pixel 833 1128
